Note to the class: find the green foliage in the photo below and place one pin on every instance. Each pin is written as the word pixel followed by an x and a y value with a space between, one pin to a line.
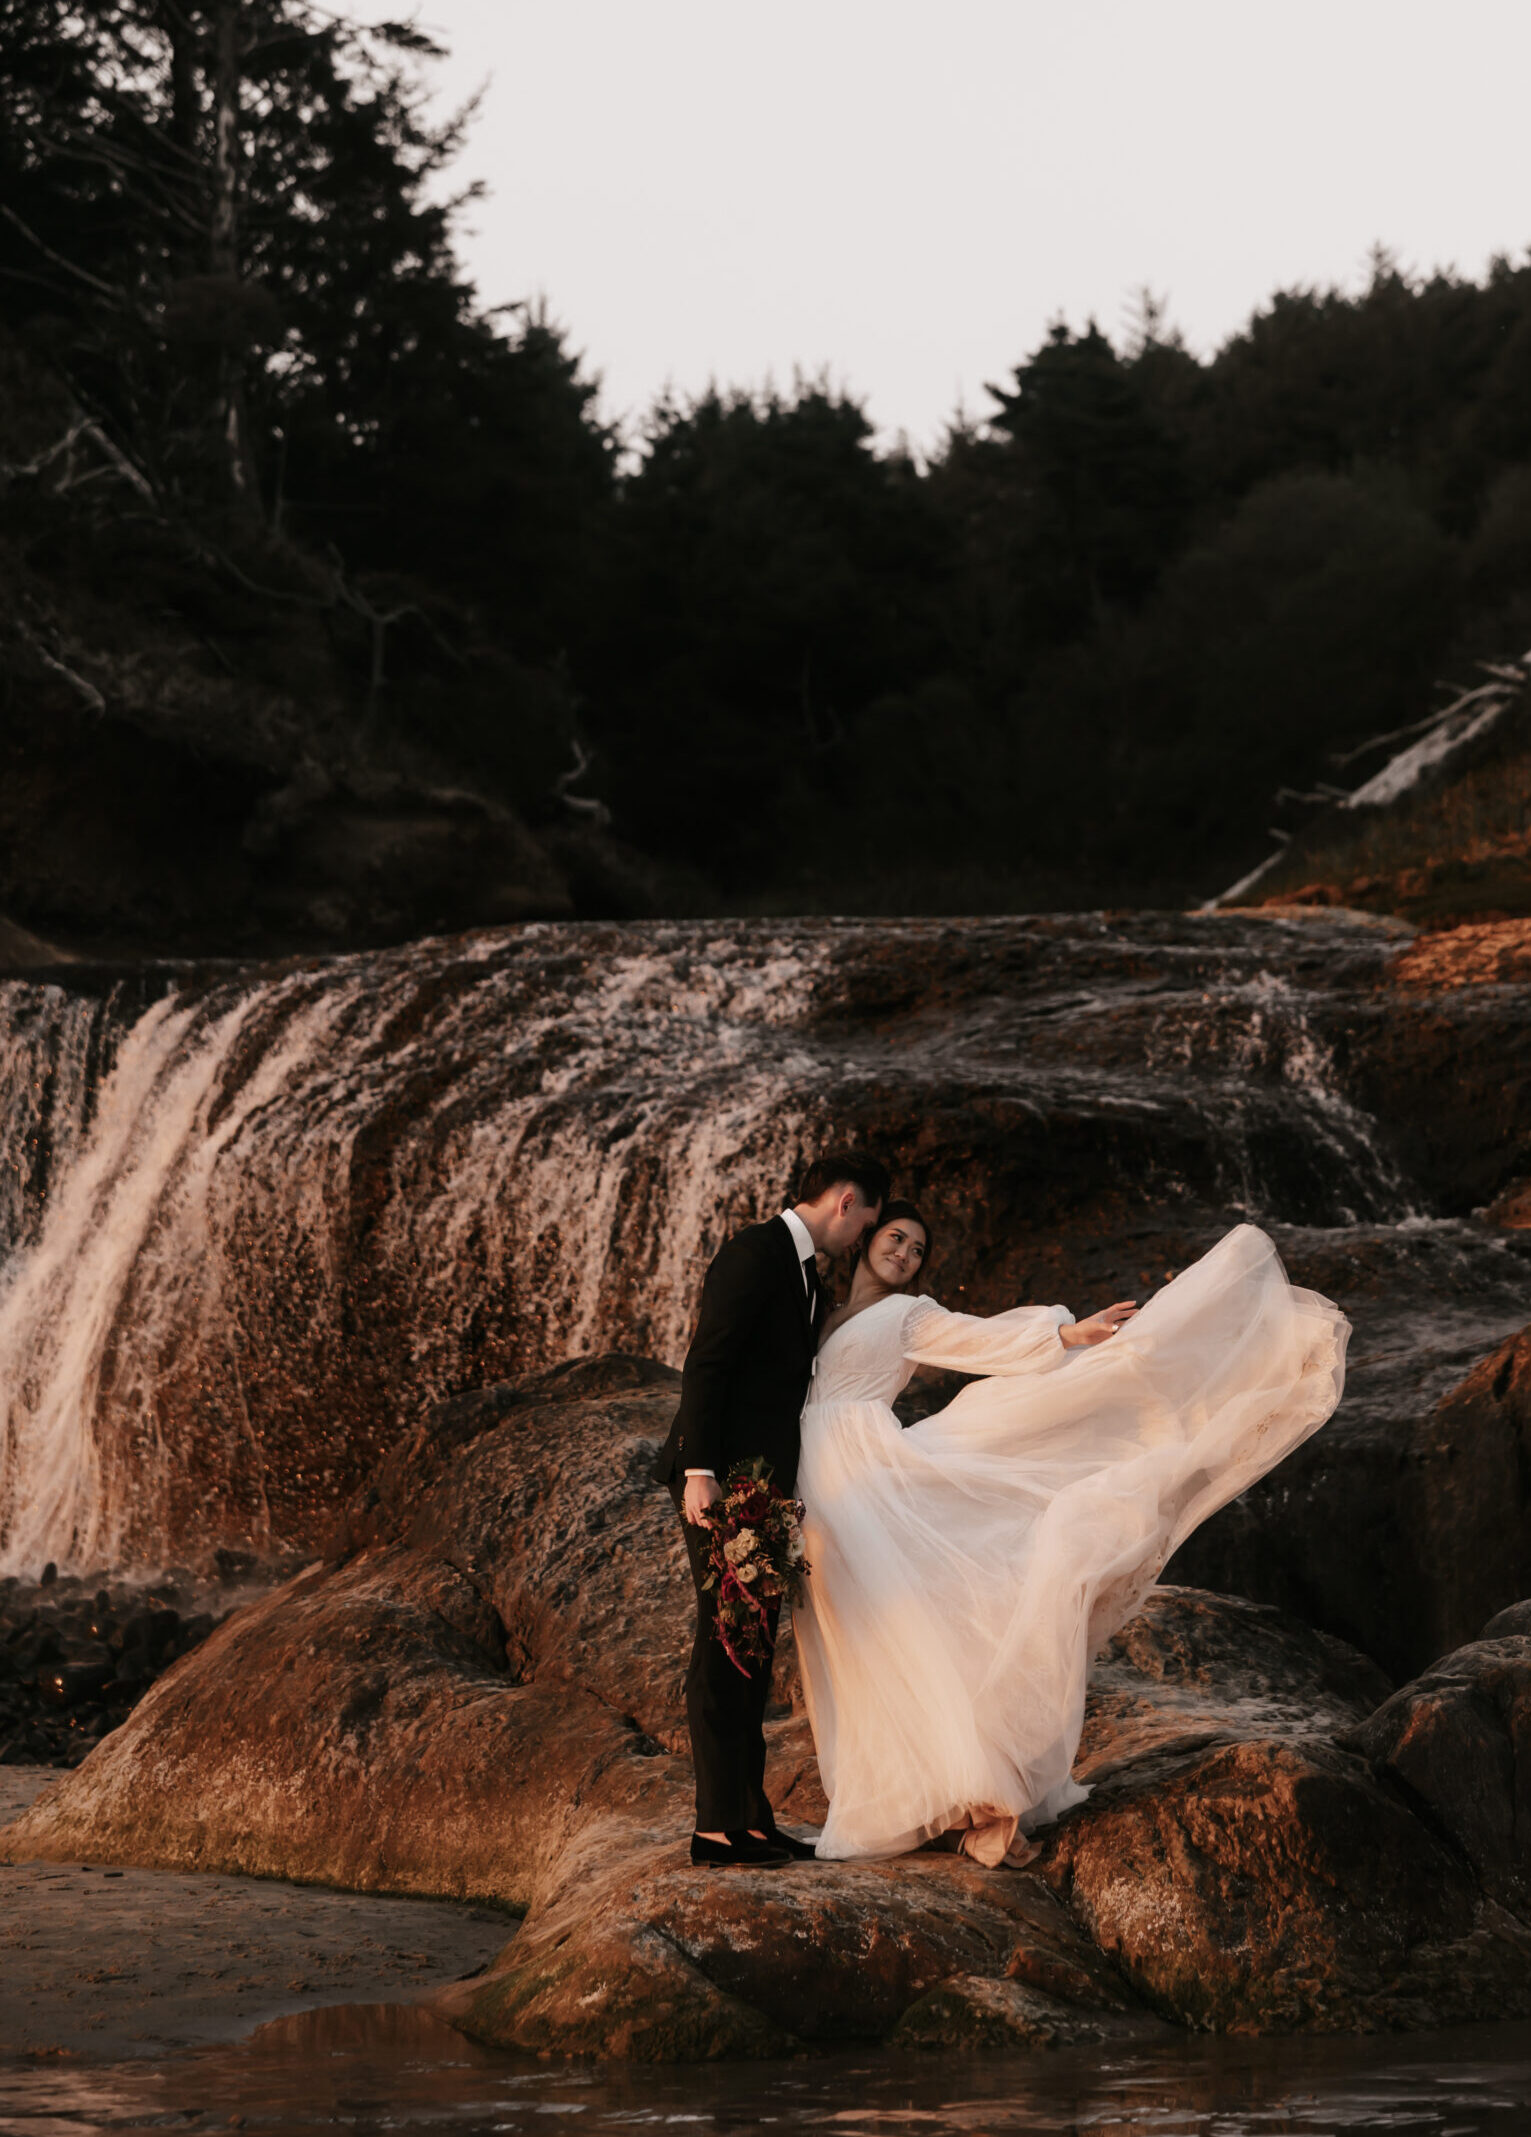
pixel 1097 483
pixel 769 575
pixel 1073 657
pixel 1311 617
pixel 309 388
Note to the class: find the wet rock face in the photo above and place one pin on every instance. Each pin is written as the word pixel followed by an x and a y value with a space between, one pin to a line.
pixel 481 1697
pixel 540 1496
pixel 1270 1886
pixel 264 1218
pixel 1458 1743
pixel 1188 1671
pixel 1247 1858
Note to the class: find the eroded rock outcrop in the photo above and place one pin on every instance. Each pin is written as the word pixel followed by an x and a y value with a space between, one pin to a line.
pixel 1456 1744
pixel 259 1218
pixel 1243 1862
pixel 479 1695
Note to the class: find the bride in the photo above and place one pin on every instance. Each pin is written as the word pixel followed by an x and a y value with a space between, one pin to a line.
pixel 964 1572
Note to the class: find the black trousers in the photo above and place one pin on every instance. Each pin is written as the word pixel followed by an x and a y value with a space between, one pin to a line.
pixel 725 1712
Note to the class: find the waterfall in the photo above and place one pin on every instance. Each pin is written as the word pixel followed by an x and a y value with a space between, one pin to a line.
pixel 257 1229
pixel 1259 1034
pixel 51 1056
pixel 308 1206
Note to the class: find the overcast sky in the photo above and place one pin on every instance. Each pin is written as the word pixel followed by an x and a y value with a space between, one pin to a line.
pixel 907 192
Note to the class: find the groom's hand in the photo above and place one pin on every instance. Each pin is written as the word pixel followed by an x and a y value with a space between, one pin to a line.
pixel 701 1493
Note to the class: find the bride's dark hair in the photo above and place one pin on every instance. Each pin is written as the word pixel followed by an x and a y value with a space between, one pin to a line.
pixel 909 1213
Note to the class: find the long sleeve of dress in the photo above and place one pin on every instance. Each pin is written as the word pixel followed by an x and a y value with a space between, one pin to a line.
pixel 1024 1340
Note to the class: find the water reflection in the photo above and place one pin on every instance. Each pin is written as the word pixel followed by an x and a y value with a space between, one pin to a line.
pixel 392 2068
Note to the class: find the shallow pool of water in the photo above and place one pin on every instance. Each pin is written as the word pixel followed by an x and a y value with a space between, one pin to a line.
pixel 393 2068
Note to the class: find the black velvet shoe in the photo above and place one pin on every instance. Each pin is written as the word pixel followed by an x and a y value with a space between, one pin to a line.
pixel 739 1852
pixel 799 1850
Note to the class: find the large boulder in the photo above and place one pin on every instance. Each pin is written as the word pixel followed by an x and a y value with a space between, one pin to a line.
pixel 478 1695
pixel 1293 1870
pixel 1456 1744
pixel 1269 1885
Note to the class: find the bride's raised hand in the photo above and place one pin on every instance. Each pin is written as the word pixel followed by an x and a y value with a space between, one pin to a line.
pixel 1098 1326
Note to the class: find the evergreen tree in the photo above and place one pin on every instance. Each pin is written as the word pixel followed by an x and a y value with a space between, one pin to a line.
pixel 771 576
pixel 1098 481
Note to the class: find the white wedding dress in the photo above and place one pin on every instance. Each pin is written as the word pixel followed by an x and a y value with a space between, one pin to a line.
pixel 964 1572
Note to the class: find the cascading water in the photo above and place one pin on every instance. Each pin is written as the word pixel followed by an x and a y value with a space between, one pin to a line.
pixel 299 1206
pixel 1259 1029
pixel 309 1205
pixel 56 1046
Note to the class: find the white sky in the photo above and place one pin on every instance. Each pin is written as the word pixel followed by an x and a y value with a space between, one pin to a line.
pixel 908 192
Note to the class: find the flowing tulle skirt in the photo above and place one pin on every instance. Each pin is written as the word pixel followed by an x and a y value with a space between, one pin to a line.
pixel 965 1571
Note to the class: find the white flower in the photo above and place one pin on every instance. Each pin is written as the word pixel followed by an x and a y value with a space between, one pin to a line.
pixel 740 1547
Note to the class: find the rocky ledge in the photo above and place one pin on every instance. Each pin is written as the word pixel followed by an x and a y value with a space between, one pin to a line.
pixel 478 1695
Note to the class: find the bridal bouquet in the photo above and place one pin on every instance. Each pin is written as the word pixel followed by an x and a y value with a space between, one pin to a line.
pixel 758 1558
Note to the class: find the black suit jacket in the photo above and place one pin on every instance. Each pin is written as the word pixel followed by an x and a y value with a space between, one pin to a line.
pixel 747 1372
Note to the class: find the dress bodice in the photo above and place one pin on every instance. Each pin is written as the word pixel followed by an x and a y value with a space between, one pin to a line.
pixel 863 1359
pixel 872 1356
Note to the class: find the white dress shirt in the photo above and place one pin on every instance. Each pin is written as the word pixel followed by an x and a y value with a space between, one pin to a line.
pixel 802 1239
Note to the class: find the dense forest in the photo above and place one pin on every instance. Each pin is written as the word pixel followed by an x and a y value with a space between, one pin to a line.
pixel 1070 659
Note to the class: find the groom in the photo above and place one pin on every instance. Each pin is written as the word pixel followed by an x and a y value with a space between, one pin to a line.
pixel 742 1394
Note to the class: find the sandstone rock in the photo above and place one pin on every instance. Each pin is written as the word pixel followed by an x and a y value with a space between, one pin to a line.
pixel 1427 1028
pixel 1485 953
pixel 353 1727
pixel 1511 1207
pixel 369 1672
pixel 1244 1866
pixel 641 1950
pixel 1272 1885
pixel 479 1700
pixel 1193 1671
pixel 540 1496
pixel 1457 1742
pixel 976 2011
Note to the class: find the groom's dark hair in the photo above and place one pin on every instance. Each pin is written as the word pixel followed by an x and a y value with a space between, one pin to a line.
pixel 837 1167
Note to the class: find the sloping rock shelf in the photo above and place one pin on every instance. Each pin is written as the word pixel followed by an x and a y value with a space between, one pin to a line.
pixel 477 1694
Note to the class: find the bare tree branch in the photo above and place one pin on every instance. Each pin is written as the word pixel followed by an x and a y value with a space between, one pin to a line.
pixel 83 427
pixel 122 463
pixel 15 471
pixel 1340 758
pixel 582 804
pixel 102 289
pixel 77 683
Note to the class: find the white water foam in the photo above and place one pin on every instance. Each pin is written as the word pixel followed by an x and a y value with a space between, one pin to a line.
pixel 557 1170
pixel 312 1203
pixel 48 1041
